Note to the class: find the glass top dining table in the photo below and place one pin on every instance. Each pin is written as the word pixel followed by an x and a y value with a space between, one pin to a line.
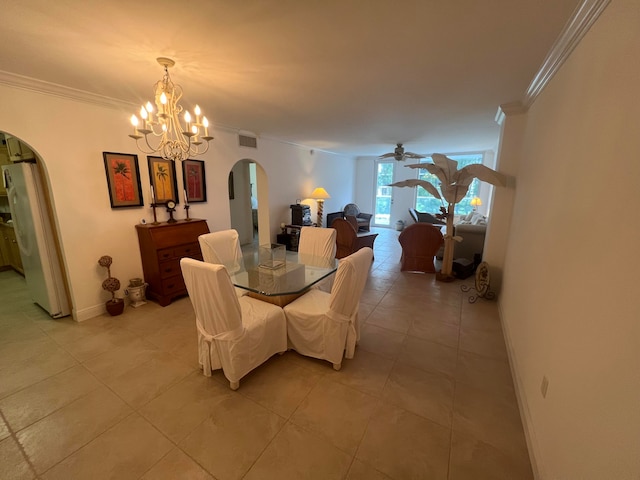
pixel 285 283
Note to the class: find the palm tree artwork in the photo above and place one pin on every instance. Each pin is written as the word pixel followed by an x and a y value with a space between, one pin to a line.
pixel 162 174
pixel 454 185
pixel 193 181
pixel 123 183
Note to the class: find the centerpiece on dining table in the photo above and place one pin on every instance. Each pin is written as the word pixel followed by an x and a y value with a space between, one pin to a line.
pixel 272 256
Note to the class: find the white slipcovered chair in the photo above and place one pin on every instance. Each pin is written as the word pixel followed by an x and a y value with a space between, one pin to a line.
pixel 223 247
pixel 317 247
pixel 325 325
pixel 235 333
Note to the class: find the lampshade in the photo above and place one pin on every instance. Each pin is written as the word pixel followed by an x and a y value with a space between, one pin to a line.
pixel 476 202
pixel 319 194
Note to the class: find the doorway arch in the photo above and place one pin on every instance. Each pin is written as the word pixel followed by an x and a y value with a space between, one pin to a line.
pixel 248 184
pixel 44 264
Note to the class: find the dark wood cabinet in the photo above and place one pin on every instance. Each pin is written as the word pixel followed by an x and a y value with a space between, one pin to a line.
pixel 161 248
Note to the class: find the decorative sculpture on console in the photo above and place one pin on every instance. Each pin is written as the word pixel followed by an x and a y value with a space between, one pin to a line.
pixel 454 185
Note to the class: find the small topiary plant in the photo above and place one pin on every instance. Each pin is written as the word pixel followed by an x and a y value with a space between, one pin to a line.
pixel 111 285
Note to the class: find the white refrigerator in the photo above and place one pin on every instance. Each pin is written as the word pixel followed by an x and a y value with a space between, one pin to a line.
pixel 35 238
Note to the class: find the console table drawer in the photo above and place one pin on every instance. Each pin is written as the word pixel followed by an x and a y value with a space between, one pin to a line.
pixel 190 250
pixel 173 285
pixel 165 254
pixel 170 268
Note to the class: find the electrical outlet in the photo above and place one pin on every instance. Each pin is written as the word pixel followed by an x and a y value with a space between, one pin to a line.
pixel 544 386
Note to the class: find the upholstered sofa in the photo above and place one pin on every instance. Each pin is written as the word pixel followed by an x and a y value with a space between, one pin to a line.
pixel 472 228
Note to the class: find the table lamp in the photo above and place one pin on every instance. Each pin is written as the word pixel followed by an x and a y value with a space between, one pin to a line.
pixel 319 194
pixel 475 203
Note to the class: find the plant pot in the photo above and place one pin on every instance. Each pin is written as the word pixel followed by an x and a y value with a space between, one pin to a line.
pixel 115 307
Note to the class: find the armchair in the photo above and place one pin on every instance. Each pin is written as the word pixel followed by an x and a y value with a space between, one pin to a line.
pixel 348 240
pixel 364 219
pixel 420 217
pixel 419 242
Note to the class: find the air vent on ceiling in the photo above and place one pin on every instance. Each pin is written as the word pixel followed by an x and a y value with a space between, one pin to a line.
pixel 247 141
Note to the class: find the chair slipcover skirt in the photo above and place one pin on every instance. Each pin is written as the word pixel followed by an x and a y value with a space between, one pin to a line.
pixel 325 326
pixel 234 333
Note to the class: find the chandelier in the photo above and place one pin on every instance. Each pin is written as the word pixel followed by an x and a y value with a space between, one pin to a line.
pixel 160 125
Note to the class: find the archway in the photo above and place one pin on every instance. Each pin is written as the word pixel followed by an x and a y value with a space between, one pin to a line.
pixel 26 211
pixel 249 202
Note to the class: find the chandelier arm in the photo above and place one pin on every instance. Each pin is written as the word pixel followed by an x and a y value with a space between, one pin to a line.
pixel 151 149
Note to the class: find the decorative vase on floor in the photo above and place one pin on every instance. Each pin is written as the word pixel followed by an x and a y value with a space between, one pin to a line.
pixel 136 292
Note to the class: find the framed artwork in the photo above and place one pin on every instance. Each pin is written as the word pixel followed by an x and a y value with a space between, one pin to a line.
pixel 162 174
pixel 123 179
pixel 194 181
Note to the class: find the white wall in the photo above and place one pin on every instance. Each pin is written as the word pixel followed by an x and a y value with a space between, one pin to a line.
pixel 569 300
pixel 70 136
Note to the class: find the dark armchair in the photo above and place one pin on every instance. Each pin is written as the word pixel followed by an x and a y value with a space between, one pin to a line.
pixel 352 210
pixel 364 219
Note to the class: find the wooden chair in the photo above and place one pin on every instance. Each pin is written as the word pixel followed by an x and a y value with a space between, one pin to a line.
pixel 348 240
pixel 420 242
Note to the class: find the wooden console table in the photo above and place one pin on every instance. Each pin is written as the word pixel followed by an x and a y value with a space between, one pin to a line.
pixel 290 236
pixel 161 248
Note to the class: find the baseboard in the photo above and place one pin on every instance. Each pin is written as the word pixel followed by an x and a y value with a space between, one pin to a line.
pixel 525 414
pixel 87 313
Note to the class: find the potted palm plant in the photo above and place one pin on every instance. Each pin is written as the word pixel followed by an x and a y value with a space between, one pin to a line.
pixel 115 306
pixel 454 185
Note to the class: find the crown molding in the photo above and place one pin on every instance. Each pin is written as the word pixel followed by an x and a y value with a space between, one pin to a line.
pixel 53 89
pixel 583 17
pixel 508 109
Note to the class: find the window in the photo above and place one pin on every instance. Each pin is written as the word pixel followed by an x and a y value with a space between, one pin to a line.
pixel 425 202
pixel 384 176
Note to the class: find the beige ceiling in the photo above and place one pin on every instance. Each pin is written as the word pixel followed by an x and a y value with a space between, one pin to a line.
pixel 348 76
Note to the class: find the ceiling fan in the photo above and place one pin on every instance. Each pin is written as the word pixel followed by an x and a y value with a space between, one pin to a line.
pixel 400 155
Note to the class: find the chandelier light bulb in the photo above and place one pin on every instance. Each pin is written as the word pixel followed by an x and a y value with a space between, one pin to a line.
pixel 143 113
pixel 149 107
pixel 134 120
pixel 163 98
pixel 187 117
pixel 205 124
pixel 197 111
pixel 194 129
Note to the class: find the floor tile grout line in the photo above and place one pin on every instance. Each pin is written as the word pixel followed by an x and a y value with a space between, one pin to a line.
pixel 13 435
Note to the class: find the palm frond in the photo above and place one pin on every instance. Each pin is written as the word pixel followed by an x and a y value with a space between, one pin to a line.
pixel 413 182
pixel 454 193
pixel 446 164
pixel 482 173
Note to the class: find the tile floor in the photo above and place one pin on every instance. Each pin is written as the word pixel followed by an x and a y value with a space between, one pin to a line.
pixel 428 395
